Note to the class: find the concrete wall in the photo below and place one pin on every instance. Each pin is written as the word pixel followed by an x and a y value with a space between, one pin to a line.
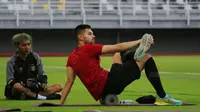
pixel 63 41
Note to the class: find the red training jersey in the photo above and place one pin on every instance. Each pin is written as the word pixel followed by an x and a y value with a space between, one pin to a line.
pixel 85 61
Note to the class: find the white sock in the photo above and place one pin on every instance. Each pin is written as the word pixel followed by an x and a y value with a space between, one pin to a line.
pixel 40 97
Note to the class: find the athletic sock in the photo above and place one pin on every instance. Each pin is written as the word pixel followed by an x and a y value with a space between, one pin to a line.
pixel 40 97
pixel 153 76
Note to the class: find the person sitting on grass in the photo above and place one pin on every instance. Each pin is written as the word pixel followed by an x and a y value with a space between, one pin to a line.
pixel 84 62
pixel 25 76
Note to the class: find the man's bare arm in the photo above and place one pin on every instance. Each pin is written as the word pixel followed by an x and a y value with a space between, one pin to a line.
pixel 120 46
pixel 68 85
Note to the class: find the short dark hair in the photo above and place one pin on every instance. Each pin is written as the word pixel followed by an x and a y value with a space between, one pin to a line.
pixel 80 28
pixel 20 37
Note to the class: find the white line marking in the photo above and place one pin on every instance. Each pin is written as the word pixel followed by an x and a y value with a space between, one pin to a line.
pixel 170 73
pixel 56 67
pixel 180 73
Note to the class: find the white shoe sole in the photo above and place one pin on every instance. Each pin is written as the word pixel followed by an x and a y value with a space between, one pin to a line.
pixel 143 47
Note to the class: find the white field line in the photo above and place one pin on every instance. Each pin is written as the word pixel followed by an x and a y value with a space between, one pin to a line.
pixel 161 72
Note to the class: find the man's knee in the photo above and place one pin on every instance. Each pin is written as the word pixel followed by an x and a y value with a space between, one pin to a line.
pixel 58 87
pixel 142 63
pixel 147 56
pixel 16 92
pixel 19 88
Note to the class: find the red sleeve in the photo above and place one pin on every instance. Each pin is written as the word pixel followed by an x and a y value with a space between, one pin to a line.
pixel 68 62
pixel 95 49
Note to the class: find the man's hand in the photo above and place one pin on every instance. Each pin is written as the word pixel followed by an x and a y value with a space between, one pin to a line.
pixel 150 38
pixel 44 86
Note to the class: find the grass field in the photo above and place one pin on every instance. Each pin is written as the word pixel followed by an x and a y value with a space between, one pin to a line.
pixel 180 76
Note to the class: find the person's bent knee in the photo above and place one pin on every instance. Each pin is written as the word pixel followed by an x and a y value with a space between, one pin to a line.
pixel 59 87
pixel 19 92
pixel 18 87
pixel 147 56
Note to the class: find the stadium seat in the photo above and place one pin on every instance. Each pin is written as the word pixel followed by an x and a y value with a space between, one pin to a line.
pixel 4 1
pixel 152 1
pixel 46 6
pixel 104 1
pixel 34 1
pixel 24 7
pixel 18 7
pixel 138 7
pixel 60 7
pixel 11 7
pixel 26 1
pixel 188 7
pixel 109 7
pixel 165 7
pixel 60 1
pixel 180 2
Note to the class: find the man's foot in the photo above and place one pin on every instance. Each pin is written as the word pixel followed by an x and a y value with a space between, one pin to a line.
pixel 54 97
pixel 143 47
pixel 167 100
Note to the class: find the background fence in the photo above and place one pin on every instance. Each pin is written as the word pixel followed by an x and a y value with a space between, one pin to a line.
pixel 186 41
pixel 99 13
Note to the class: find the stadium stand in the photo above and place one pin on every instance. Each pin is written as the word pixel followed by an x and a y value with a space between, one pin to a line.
pixel 111 13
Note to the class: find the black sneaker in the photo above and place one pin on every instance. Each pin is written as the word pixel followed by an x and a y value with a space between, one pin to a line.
pixel 54 97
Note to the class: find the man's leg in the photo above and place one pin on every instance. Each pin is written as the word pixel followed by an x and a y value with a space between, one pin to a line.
pixel 51 90
pixel 147 62
pixel 19 88
pixel 151 70
pixel 152 74
pixel 117 58
pixel 121 75
pixel 144 60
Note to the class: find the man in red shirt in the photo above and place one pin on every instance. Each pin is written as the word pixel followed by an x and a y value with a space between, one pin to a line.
pixel 84 62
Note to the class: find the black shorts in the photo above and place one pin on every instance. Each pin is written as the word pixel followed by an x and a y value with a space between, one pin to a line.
pixel 120 76
pixel 12 94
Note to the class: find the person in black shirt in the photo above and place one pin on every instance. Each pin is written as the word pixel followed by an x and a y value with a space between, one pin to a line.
pixel 25 76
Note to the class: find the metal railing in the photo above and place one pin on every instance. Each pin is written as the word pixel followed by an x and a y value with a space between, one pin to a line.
pixel 58 9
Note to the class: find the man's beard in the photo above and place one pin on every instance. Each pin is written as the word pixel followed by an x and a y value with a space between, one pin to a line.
pixel 24 52
pixel 93 42
pixel 88 42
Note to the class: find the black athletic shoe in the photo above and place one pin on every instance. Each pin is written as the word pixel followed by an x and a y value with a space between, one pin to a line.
pixel 54 97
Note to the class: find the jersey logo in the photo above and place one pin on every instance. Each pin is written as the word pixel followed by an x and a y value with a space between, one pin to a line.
pixel 20 70
pixel 32 67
